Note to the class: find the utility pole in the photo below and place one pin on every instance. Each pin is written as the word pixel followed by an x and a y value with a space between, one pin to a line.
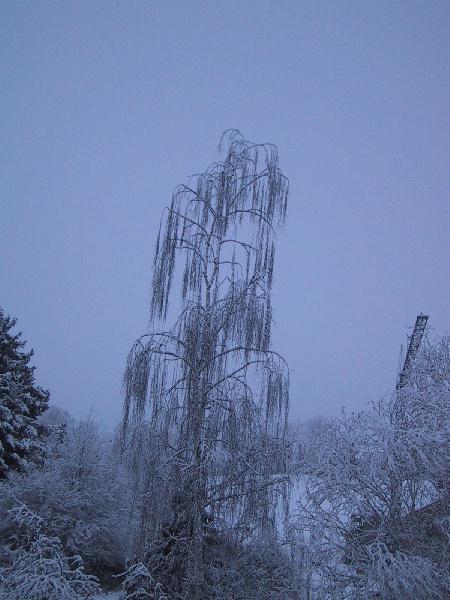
pixel 398 415
pixel 413 346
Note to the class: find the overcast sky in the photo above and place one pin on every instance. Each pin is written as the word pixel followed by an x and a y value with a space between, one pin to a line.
pixel 106 106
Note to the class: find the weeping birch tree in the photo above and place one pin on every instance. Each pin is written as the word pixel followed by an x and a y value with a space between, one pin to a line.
pixel 206 400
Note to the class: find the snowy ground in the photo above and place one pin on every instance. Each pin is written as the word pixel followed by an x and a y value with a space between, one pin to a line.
pixel 110 596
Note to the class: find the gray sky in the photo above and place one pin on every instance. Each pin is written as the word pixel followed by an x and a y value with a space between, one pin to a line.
pixel 106 106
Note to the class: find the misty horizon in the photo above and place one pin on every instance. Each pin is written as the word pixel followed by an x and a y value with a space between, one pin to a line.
pixel 105 111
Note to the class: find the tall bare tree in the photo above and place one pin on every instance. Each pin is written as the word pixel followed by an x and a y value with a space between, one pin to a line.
pixel 208 399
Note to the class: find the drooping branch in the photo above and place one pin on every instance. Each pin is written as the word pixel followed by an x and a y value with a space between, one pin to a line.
pixel 209 399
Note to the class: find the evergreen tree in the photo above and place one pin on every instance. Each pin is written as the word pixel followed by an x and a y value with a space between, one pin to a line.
pixel 21 401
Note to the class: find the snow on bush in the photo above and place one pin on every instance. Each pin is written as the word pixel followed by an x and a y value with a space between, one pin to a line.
pixel 40 569
pixel 140 585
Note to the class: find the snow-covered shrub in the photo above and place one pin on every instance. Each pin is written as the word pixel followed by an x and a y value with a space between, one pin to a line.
pixel 82 492
pixel 140 585
pixel 378 497
pixel 260 571
pixel 398 575
pixel 40 569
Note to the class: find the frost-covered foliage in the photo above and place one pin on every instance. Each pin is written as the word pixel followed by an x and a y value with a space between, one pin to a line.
pixel 208 399
pixel 395 574
pixel 377 507
pixel 138 584
pixel 82 492
pixel 40 569
pixel 254 571
pixel 21 401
